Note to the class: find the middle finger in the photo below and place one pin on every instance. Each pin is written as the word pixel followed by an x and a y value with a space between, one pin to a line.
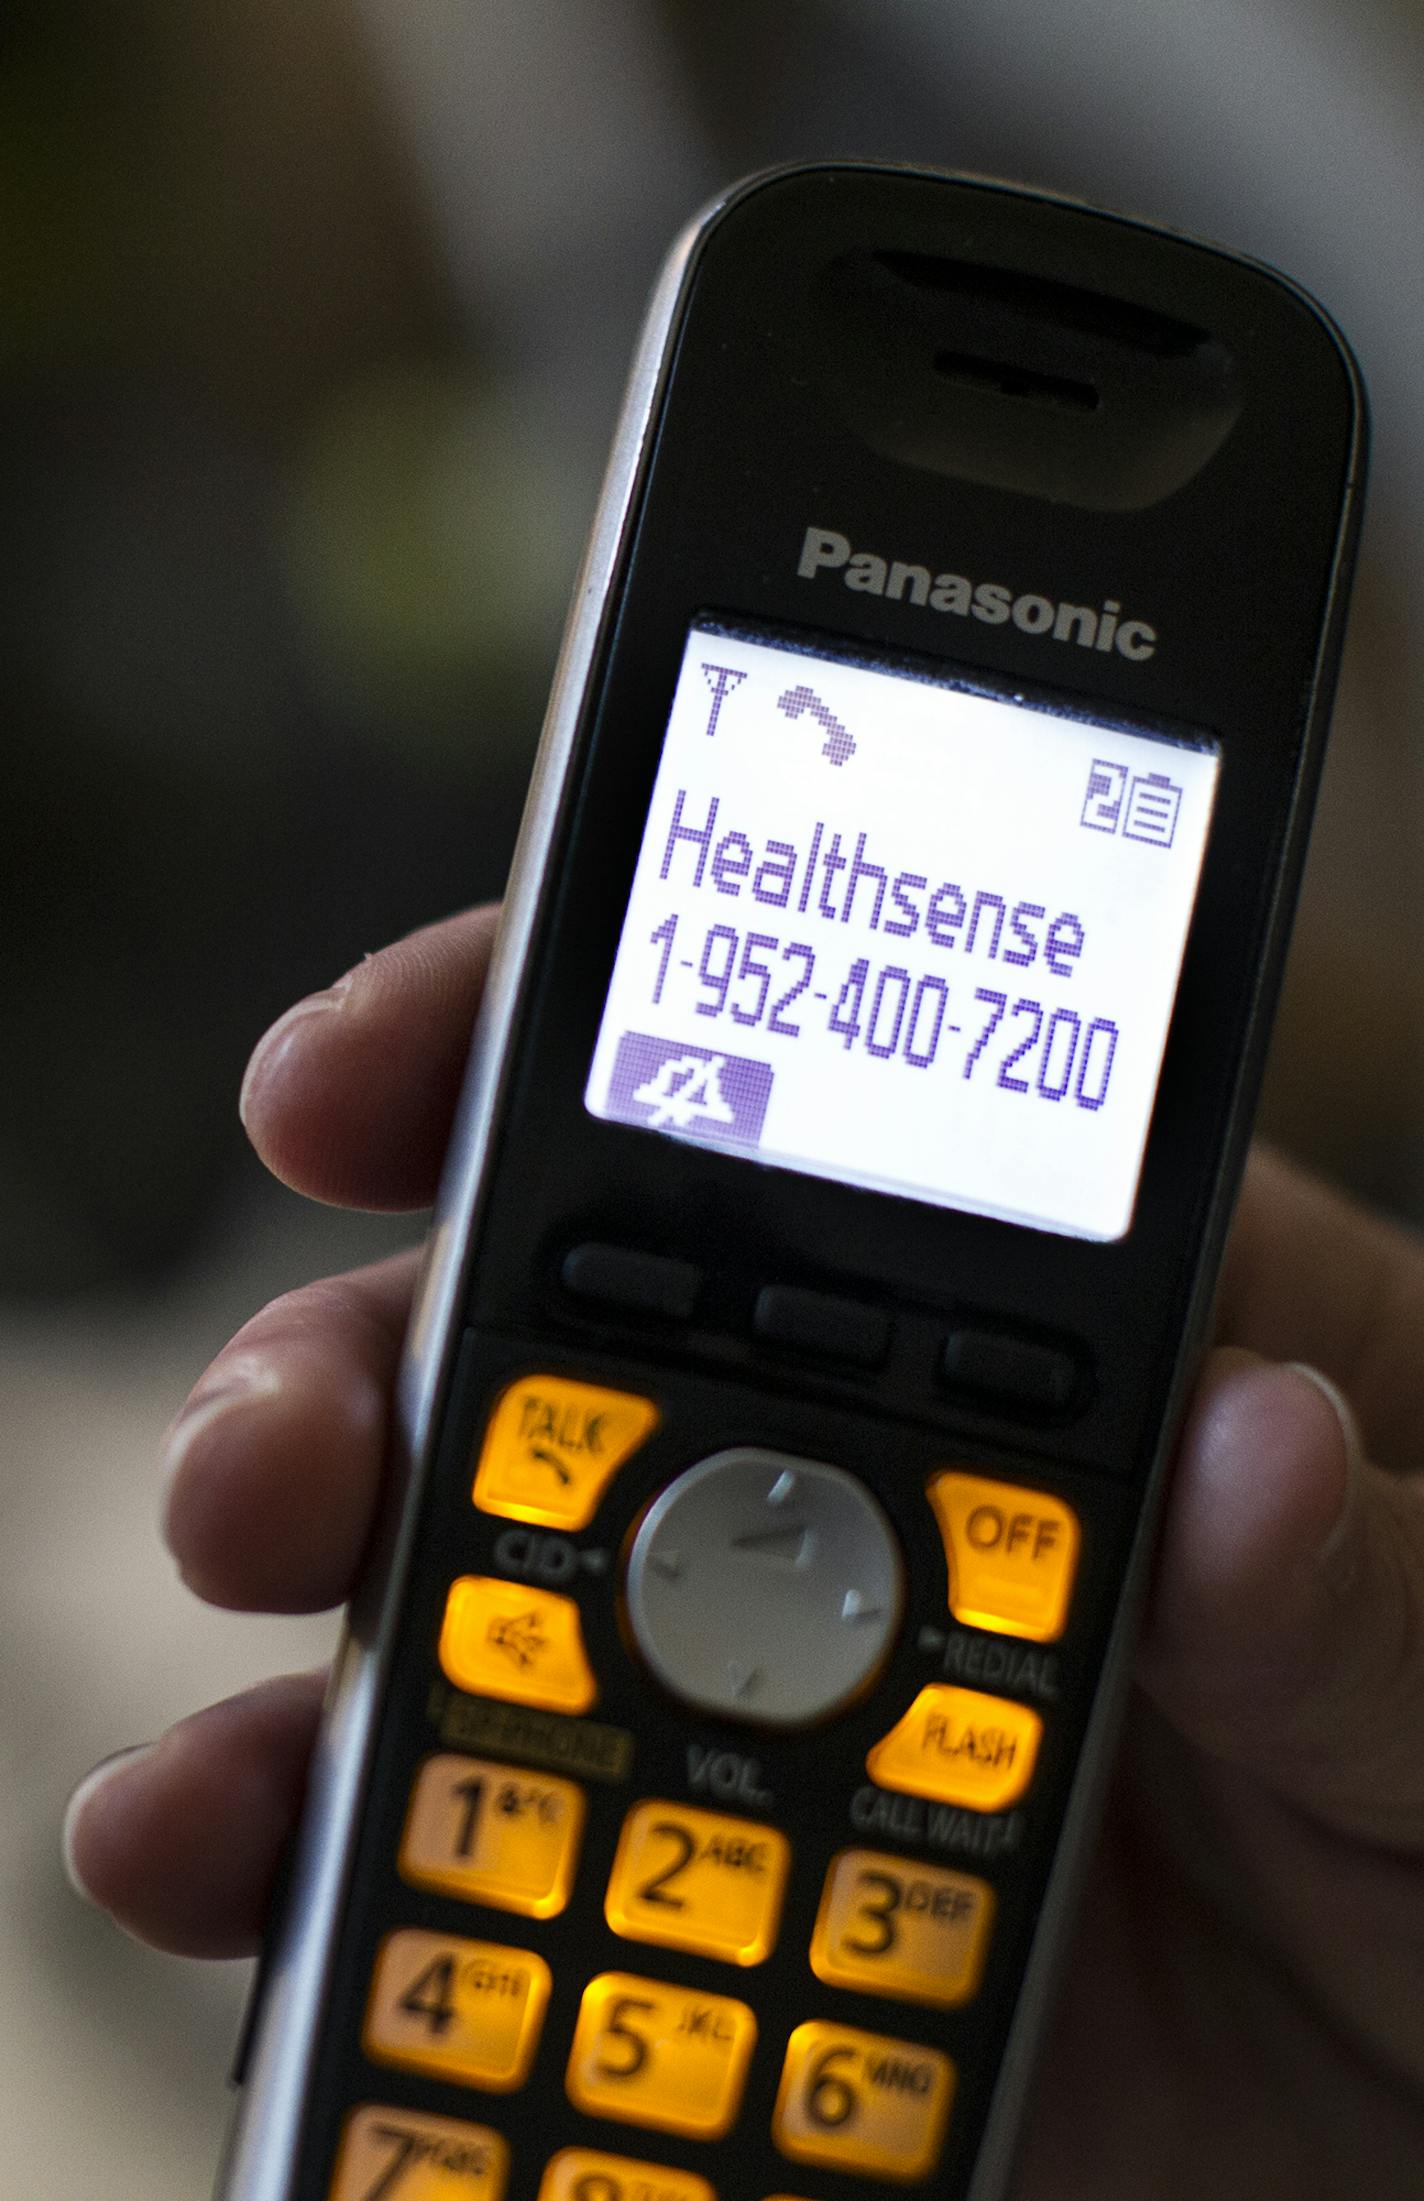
pixel 275 1463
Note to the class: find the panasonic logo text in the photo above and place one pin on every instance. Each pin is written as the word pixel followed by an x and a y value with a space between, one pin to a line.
pixel 1092 627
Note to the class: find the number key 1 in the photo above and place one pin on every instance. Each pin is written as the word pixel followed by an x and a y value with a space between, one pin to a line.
pixel 493 1834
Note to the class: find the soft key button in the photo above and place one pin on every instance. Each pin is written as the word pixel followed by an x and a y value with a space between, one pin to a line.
pixel 1012 1555
pixel 463 2010
pixel 493 1834
pixel 696 1880
pixel 649 2054
pixel 412 2157
pixel 552 1446
pixel 857 2102
pixel 587 2174
pixel 957 1746
pixel 503 1639
pixel 891 1927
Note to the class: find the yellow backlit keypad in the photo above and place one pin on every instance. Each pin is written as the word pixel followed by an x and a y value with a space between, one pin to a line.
pixel 890 1927
pixel 470 2011
pixel 552 1446
pixel 958 1746
pixel 587 2174
pixel 493 1834
pixel 504 1639
pixel 647 2053
pixel 407 2156
pixel 1012 1555
pixel 856 2101
pixel 695 1880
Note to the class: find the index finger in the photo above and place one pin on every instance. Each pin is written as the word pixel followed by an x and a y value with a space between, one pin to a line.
pixel 1312 1277
pixel 350 1096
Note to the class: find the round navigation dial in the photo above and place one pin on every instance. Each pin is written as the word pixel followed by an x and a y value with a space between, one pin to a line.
pixel 765 1588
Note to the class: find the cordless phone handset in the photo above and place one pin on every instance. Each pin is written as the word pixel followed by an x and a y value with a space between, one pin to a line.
pixel 852 1127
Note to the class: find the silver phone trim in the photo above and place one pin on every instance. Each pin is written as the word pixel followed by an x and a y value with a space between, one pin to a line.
pixel 261 2158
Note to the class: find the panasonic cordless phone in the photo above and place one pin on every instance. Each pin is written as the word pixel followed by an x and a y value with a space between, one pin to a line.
pixel 854 1119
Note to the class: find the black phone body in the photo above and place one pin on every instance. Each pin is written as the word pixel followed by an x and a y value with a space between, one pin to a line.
pixel 854 1120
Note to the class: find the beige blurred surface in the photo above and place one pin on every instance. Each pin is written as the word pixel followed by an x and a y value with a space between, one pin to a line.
pixel 113 2059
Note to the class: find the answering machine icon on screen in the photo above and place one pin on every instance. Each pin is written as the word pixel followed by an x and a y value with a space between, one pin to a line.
pixel 1142 806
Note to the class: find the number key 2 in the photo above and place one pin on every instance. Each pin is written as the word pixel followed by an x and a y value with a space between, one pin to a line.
pixel 696 1880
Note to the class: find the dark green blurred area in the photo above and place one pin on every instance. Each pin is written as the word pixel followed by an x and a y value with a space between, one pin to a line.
pixel 312 325
pixel 268 694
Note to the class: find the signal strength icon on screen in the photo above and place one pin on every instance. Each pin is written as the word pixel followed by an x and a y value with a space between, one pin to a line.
pixel 723 680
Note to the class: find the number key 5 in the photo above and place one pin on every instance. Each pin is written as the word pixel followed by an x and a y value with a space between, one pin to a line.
pixel 650 2054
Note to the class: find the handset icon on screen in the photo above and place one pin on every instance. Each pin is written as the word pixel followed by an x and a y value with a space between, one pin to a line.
pixel 839 742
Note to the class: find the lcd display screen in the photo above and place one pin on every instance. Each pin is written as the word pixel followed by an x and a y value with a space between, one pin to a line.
pixel 905 933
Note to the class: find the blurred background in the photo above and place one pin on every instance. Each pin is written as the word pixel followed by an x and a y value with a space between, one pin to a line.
pixel 312 327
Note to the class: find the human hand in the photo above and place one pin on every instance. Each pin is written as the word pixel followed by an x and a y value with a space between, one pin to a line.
pixel 1243 2012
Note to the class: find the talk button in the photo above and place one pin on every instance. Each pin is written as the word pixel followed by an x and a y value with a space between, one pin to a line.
pixel 1012 1555
pixel 552 1446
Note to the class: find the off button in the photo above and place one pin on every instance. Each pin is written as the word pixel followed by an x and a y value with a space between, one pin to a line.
pixel 1012 1555
pixel 765 1588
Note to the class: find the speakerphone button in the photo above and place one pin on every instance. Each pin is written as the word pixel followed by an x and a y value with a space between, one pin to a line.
pixel 640 1283
pixel 493 1834
pixel 765 1588
pixel 420 2158
pixel 1011 1371
pixel 892 1927
pixel 587 2174
pixel 1012 1555
pixel 645 2053
pixel 696 1880
pixel 552 1446
pixel 470 2011
pixel 958 1746
pixel 817 1322
pixel 505 1639
pixel 857 2101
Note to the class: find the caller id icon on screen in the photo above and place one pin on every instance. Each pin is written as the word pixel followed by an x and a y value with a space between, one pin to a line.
pixel 905 933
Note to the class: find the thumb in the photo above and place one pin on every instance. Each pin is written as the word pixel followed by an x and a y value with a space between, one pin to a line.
pixel 1286 1626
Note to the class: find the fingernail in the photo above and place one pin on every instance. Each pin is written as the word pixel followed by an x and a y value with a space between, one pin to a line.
pixel 245 1378
pixel 1339 1536
pixel 273 1044
pixel 79 1802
